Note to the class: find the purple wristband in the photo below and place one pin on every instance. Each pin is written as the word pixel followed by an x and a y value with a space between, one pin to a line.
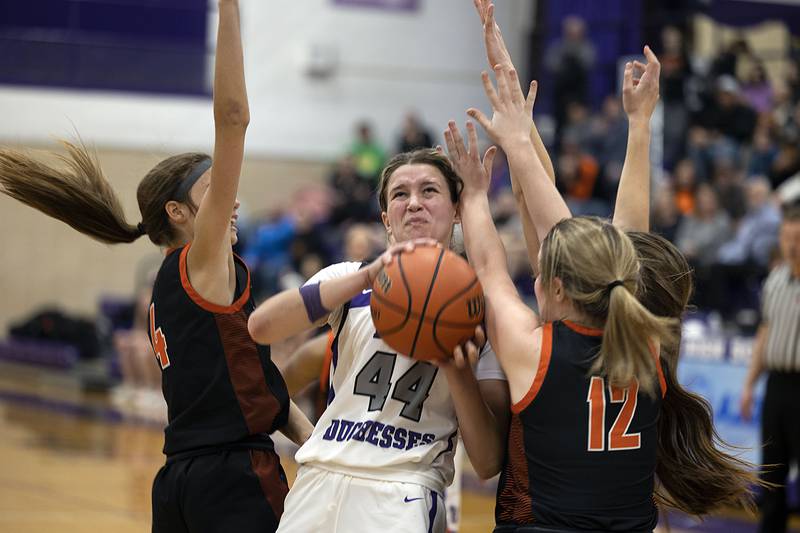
pixel 313 302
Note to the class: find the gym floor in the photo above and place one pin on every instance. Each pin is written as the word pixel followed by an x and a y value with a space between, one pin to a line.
pixel 69 462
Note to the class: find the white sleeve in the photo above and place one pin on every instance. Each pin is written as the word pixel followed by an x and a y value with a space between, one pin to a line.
pixel 334 271
pixel 488 366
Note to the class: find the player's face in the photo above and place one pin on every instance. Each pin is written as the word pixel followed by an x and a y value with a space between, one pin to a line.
pixel 198 192
pixel 418 205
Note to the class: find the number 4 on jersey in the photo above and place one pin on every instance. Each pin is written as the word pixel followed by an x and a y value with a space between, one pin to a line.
pixel 158 340
pixel 618 437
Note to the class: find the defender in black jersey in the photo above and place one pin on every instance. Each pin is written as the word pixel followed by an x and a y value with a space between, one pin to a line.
pixel 561 473
pixel 587 277
pixel 581 454
pixel 223 393
pixel 225 396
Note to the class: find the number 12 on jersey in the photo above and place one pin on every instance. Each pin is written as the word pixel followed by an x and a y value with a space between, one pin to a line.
pixel 618 437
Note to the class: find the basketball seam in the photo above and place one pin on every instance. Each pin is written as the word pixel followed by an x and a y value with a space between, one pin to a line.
pixel 443 307
pixel 394 306
pixel 427 299
pixel 415 316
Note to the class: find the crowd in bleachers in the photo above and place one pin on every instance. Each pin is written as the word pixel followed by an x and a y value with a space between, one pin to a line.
pixel 731 139
pixel 730 158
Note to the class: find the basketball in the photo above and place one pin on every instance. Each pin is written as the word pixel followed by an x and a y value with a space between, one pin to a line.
pixel 426 302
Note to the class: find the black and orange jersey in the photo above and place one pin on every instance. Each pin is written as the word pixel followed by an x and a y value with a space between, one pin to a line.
pixel 581 455
pixel 220 386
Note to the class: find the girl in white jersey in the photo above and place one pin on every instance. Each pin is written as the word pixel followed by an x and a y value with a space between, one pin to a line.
pixel 382 453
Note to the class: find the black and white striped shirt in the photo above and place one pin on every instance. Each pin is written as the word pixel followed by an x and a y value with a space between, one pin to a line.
pixel 781 314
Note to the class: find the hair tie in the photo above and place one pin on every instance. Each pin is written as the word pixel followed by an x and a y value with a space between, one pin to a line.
pixel 140 227
pixel 613 284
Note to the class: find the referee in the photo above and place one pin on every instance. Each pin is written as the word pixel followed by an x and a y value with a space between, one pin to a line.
pixel 777 351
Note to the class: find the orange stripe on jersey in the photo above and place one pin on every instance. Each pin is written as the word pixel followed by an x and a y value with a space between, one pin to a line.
pixel 583 330
pixel 661 381
pixel 259 406
pixel 514 503
pixel 324 374
pixel 541 371
pixel 202 302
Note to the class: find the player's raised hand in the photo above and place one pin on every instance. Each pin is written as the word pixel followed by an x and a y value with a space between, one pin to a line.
pixel 496 51
pixel 640 95
pixel 474 172
pixel 512 111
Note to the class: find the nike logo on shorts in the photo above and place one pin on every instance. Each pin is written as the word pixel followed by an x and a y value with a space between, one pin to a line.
pixel 409 500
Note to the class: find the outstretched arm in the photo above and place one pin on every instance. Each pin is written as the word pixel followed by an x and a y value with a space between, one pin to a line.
pixel 511 324
pixel 639 98
pixel 510 127
pixel 497 54
pixel 211 248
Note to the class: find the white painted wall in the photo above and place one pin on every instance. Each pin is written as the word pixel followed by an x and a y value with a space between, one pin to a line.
pixel 388 63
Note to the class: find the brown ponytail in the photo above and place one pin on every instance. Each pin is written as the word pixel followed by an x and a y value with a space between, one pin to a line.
pixel 694 474
pixel 81 196
pixel 78 195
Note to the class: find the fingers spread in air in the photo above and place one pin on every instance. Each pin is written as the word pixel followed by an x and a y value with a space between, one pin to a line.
pixel 488 88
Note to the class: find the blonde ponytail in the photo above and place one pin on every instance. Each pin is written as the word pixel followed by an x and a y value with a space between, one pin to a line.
pixel 627 351
pixel 599 270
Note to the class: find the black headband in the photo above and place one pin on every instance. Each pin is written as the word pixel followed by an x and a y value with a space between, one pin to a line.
pixel 182 192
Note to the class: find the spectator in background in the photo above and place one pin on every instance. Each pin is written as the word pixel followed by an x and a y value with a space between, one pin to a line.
pixel 570 59
pixel 275 251
pixel 267 252
pixel 757 232
pixel 577 179
pixel 607 141
pixel 701 233
pixel 352 194
pixel 787 161
pixel 756 90
pixel 763 153
pixel 728 115
pixel 414 135
pixel 793 79
pixel 728 183
pixel 609 133
pixel 777 352
pixel 732 285
pixel 139 394
pixel 361 243
pixel 666 217
pixel 368 155
pixel 578 127
pixel 685 183
pixel 726 63
pixel 675 74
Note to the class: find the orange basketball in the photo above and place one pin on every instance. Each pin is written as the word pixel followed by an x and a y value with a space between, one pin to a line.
pixel 426 302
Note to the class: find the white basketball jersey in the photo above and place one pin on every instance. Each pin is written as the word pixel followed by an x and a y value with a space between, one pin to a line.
pixel 389 417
